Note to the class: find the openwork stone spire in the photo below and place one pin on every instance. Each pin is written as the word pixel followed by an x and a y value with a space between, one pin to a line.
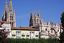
pixel 4 18
pixel 10 5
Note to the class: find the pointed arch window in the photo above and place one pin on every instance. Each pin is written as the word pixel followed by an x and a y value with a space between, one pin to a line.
pixel 11 17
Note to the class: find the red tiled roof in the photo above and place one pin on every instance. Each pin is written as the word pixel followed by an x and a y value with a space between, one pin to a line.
pixel 25 28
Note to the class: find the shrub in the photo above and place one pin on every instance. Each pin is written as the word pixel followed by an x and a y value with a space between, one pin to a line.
pixel 33 41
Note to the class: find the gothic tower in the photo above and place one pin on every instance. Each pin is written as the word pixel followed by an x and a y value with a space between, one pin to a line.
pixel 9 14
pixel 4 18
pixel 35 20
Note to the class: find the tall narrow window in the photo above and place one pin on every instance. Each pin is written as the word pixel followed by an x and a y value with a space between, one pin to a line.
pixel 11 17
pixel 27 35
pixel 23 35
pixel 46 29
pixel 36 35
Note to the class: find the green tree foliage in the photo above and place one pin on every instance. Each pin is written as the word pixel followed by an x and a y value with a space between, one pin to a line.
pixel 62 24
pixel 3 36
pixel 62 19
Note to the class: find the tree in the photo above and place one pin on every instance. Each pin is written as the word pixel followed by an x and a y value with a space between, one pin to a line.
pixel 62 24
pixel 3 36
pixel 62 20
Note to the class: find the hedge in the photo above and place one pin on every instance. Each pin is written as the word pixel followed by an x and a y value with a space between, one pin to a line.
pixel 33 41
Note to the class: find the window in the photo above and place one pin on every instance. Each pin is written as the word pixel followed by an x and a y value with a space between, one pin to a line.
pixel 52 30
pixel 13 35
pixel 23 35
pixel 27 35
pixel 18 31
pixel 46 29
pixel 11 17
pixel 58 30
pixel 12 24
pixel 36 35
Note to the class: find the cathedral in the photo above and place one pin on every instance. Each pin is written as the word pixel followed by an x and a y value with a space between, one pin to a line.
pixel 9 14
pixel 36 29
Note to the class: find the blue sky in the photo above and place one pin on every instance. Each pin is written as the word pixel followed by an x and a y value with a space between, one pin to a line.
pixel 50 10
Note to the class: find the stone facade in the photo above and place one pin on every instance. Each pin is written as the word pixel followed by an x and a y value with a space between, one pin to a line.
pixel 25 33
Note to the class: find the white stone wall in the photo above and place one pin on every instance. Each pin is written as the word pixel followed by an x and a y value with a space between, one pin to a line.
pixel 13 34
pixel 47 32
pixel 24 34
pixel 34 34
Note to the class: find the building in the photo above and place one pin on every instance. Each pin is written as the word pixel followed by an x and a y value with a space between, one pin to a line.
pixel 36 29
pixel 46 29
pixel 25 33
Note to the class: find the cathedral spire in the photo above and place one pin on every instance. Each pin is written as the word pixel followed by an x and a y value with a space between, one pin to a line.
pixel 10 5
pixel 11 16
pixel 5 11
pixel 30 22
pixel 6 5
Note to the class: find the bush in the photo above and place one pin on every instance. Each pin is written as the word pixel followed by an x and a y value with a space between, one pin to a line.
pixel 33 41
